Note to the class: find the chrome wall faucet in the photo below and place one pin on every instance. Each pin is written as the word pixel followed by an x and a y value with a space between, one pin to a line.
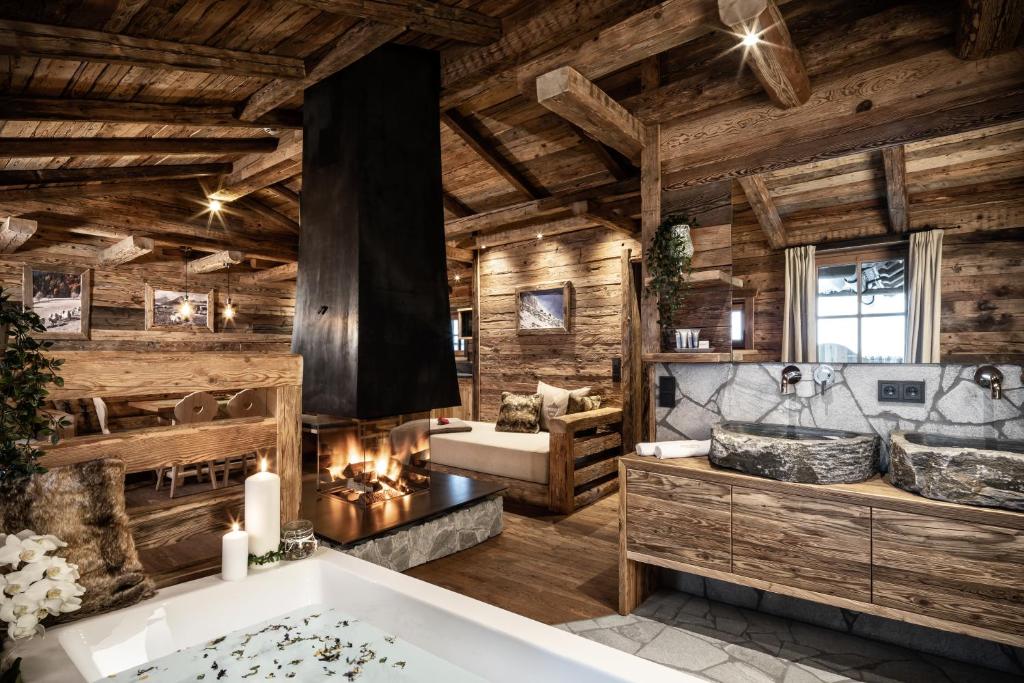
pixel 790 375
pixel 989 377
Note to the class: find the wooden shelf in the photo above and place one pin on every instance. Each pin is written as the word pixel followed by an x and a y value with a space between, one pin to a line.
pixel 707 278
pixel 687 357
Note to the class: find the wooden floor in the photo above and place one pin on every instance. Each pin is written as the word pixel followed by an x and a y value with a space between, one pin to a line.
pixel 548 568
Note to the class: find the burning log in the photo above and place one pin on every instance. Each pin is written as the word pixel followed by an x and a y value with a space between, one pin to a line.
pixel 354 469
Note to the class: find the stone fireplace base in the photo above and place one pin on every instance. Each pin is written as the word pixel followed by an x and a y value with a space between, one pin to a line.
pixel 416 544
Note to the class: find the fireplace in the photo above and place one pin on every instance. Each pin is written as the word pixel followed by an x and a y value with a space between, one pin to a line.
pixel 366 462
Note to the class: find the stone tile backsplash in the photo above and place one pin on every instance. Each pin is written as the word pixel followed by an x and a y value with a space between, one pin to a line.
pixel 708 393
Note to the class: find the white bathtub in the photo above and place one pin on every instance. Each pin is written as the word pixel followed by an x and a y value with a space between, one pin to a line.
pixel 490 642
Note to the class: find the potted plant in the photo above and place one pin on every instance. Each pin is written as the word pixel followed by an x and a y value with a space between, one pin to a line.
pixel 25 373
pixel 668 267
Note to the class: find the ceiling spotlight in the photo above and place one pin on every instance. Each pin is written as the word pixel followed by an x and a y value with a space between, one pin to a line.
pixel 458 278
pixel 750 39
pixel 215 205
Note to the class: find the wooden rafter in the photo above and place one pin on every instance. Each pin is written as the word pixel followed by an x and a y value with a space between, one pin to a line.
pixel 761 202
pixel 358 41
pixel 417 15
pixel 14 232
pixel 109 174
pixel 775 60
pixel 43 41
pixel 897 201
pixel 537 231
pixel 128 249
pixel 534 211
pixel 288 271
pixel 486 151
pixel 618 165
pixel 118 147
pixel 69 191
pixel 258 171
pixel 613 221
pixel 988 27
pixel 107 111
pixel 213 262
pixel 459 255
pixel 454 206
pixel 272 216
pixel 567 93
pixel 284 193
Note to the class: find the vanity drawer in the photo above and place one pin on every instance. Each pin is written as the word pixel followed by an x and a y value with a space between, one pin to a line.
pixel 960 571
pixel 802 542
pixel 679 519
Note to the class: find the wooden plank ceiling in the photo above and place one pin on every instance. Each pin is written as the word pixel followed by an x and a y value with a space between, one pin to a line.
pixel 90 88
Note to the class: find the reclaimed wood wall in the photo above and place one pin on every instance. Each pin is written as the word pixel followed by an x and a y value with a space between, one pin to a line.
pixel 264 311
pixel 591 260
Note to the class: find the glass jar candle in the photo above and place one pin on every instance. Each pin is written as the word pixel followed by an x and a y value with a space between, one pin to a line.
pixel 298 539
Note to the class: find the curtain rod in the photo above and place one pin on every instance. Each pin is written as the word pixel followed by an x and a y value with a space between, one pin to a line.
pixel 880 241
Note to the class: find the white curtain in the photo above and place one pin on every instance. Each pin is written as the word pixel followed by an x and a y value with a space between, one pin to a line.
pixel 800 325
pixel 924 297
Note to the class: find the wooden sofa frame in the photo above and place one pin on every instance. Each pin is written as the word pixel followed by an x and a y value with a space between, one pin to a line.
pixel 582 463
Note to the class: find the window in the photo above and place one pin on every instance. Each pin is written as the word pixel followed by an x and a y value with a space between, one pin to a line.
pixel 862 309
pixel 739 323
pixel 458 343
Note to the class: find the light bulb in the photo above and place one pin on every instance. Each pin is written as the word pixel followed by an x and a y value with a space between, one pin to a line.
pixel 458 278
pixel 750 39
pixel 215 205
pixel 229 311
pixel 540 235
pixel 185 310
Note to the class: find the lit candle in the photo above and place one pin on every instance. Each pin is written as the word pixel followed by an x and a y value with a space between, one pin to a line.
pixel 263 510
pixel 234 554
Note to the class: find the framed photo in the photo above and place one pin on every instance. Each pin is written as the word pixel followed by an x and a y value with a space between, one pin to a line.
pixel 544 310
pixel 61 297
pixel 163 310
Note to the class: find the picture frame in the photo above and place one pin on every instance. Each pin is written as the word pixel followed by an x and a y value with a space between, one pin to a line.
pixel 161 314
pixel 544 309
pixel 61 296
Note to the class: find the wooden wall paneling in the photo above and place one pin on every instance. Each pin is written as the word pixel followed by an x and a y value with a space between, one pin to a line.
pixel 678 519
pixel 960 571
pixel 650 218
pixel 799 541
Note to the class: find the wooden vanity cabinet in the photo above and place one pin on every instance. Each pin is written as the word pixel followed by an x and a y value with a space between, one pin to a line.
pixel 868 547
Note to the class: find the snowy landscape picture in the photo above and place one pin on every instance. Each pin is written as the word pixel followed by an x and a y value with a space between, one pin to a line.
pixel 164 309
pixel 543 310
pixel 60 298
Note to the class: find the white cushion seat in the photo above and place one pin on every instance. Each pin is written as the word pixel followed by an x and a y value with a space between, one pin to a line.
pixel 503 454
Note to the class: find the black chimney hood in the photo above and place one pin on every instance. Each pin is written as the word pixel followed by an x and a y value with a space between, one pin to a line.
pixel 372 318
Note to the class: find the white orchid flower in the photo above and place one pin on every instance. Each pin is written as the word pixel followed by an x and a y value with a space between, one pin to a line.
pixel 58 569
pixel 16 550
pixel 12 609
pixel 26 626
pixel 48 541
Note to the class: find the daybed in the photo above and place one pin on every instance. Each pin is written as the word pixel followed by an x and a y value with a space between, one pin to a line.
pixel 565 468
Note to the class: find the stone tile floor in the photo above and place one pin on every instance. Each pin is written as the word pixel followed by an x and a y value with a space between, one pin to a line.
pixel 720 642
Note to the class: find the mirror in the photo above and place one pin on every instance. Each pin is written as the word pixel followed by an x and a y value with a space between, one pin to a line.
pixel 858 211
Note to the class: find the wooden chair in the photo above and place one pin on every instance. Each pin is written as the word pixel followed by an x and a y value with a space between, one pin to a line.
pixel 101 413
pixel 194 408
pixel 246 403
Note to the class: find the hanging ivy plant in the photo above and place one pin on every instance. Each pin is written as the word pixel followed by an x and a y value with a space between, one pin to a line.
pixel 668 265
pixel 24 375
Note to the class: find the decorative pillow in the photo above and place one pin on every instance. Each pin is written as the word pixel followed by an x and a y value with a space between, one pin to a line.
pixel 582 404
pixel 519 413
pixel 556 401
pixel 83 505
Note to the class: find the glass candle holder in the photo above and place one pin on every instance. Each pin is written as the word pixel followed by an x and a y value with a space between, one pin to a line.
pixel 298 539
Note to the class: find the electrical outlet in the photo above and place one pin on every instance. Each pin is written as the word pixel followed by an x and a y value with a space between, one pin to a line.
pixel 900 392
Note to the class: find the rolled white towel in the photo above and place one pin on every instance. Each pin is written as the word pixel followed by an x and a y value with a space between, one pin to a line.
pixel 681 449
pixel 645 448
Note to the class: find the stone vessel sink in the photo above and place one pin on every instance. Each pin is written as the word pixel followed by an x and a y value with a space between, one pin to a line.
pixel 806 455
pixel 985 472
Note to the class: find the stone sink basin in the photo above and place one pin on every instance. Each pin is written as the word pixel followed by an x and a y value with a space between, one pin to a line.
pixel 985 472
pixel 806 455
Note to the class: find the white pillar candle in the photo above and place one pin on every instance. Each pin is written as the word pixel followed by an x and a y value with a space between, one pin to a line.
pixel 234 554
pixel 263 510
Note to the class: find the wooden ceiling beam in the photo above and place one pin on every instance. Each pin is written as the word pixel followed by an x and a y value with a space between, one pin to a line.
pixel 109 174
pixel 988 27
pixel 458 255
pixel 357 42
pixel 534 211
pixel 72 190
pixel 259 171
pixel 24 148
pixel 211 263
pixel 454 206
pixel 616 164
pixel 613 221
pixel 288 271
pixel 110 111
pixel 44 41
pixel 417 15
pixel 487 152
pixel 895 164
pixel 128 249
pixel 775 60
pixel 761 202
pixel 284 193
pixel 14 232
pixel 272 216
pixel 567 93
pixel 535 232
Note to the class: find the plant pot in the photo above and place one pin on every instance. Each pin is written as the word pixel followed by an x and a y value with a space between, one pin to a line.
pixel 683 230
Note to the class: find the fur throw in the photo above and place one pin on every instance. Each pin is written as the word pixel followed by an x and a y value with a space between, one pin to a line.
pixel 83 505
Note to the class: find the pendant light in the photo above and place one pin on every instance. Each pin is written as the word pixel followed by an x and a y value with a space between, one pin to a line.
pixel 185 309
pixel 229 309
